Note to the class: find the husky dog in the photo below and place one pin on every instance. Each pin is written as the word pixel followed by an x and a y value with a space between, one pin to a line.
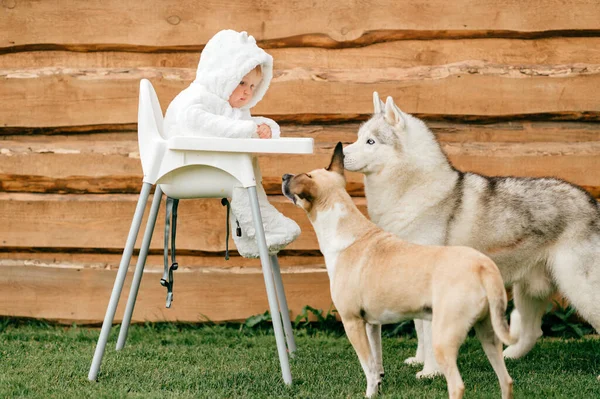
pixel 543 233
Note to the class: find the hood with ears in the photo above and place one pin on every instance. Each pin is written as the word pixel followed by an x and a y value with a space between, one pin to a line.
pixel 227 58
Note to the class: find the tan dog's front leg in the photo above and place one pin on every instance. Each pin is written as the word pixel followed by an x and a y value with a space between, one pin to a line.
pixel 374 335
pixel 357 334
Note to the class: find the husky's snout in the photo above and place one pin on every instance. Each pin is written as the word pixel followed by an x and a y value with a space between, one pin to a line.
pixel 349 161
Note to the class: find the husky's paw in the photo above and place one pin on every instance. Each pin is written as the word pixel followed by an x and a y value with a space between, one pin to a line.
pixel 429 373
pixel 414 361
pixel 514 352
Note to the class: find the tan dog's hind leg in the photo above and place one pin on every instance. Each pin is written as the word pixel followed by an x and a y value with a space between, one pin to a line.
pixel 356 330
pixel 492 347
pixel 374 335
pixel 448 335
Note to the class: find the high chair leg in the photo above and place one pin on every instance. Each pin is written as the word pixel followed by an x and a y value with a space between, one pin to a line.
pixel 121 274
pixel 269 283
pixel 139 268
pixel 283 306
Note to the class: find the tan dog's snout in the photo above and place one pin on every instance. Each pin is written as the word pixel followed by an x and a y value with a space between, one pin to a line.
pixel 304 188
pixel 285 186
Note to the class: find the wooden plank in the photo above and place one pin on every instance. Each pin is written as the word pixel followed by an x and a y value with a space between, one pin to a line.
pixel 389 54
pixel 515 132
pixel 176 24
pixel 577 163
pixel 102 222
pixel 77 294
pixel 82 257
pixel 115 141
pixel 109 163
pixel 71 97
pixel 201 295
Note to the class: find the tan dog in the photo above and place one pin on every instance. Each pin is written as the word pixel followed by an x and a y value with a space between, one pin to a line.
pixel 376 279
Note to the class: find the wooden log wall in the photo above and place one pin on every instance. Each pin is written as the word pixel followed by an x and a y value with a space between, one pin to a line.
pixel 510 88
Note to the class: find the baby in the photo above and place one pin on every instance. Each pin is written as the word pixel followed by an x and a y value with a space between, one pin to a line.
pixel 233 76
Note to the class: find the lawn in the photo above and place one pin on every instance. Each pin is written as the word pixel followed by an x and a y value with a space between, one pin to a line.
pixel 186 361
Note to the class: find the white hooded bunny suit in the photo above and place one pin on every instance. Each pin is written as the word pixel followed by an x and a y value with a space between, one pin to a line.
pixel 203 110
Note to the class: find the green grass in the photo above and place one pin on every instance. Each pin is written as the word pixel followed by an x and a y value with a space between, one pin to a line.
pixel 172 360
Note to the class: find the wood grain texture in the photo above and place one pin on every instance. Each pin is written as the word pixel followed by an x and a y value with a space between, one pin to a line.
pixel 513 130
pixel 109 163
pixel 110 260
pixel 70 97
pixel 398 54
pixel 200 295
pixel 78 294
pixel 508 86
pixel 102 222
pixel 183 24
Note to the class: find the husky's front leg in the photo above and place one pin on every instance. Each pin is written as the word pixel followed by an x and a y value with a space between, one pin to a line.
pixel 430 368
pixel 357 334
pixel 419 358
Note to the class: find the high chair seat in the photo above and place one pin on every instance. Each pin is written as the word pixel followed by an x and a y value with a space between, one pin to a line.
pixel 210 167
pixel 197 167
pixel 283 145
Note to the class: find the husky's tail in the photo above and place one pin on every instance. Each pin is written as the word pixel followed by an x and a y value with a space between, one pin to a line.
pixel 496 294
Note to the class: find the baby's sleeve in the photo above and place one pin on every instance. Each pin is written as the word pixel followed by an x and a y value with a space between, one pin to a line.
pixel 205 123
pixel 275 131
pixel 259 120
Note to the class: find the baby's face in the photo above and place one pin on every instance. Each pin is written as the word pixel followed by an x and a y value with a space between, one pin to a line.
pixel 244 92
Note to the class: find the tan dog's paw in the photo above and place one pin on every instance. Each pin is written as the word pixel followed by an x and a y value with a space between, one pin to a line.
pixel 423 374
pixel 413 361
pixel 373 388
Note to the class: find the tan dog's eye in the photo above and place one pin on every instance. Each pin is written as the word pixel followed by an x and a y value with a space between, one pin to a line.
pixel 309 176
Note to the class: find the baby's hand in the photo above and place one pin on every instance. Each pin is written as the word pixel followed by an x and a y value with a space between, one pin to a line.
pixel 264 131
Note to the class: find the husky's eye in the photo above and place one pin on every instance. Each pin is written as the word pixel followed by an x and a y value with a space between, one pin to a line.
pixel 370 141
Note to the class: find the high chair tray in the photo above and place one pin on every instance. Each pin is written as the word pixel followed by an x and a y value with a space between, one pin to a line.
pixel 285 145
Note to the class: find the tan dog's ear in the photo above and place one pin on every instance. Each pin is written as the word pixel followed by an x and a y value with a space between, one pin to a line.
pixel 337 160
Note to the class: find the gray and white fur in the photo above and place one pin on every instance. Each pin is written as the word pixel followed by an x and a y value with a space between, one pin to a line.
pixel 543 233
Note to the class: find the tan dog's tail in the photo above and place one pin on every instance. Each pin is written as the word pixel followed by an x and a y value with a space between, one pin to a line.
pixel 496 293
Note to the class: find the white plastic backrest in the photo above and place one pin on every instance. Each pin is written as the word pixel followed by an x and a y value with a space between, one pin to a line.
pixel 150 131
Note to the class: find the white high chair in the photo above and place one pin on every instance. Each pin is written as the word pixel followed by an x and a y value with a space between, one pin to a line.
pixel 197 167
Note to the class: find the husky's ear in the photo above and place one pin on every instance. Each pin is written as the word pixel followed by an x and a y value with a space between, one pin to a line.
pixel 392 113
pixel 337 160
pixel 378 105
